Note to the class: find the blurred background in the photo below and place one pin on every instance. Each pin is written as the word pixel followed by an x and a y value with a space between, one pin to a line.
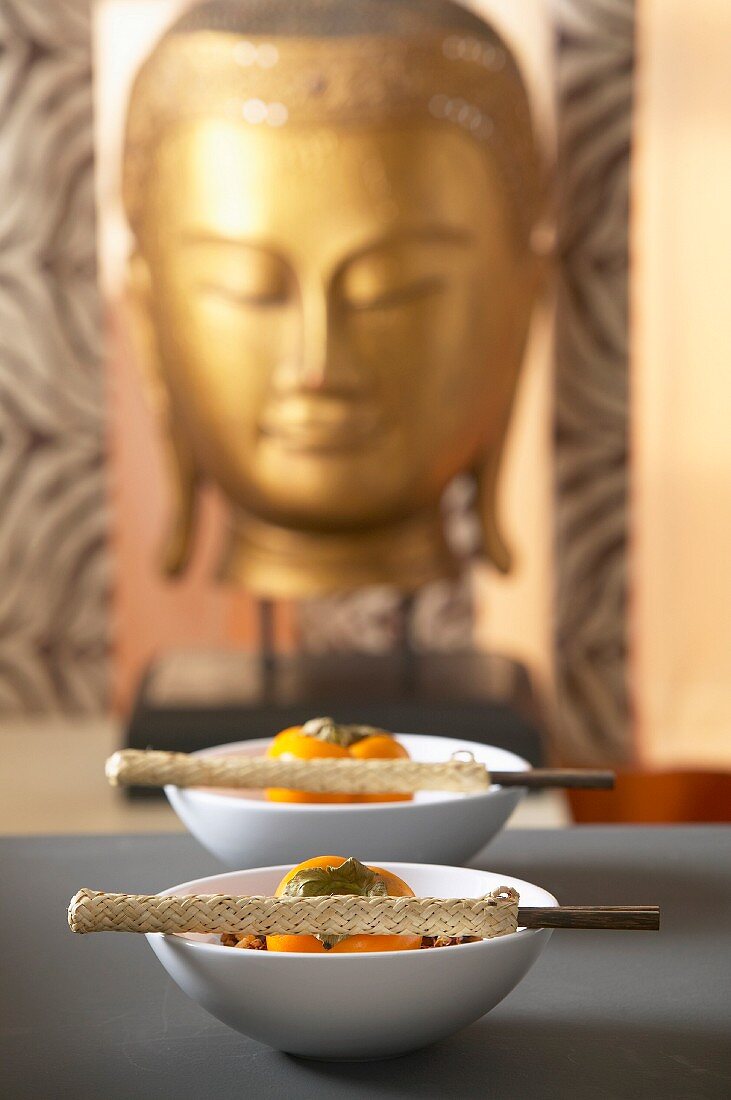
pixel 615 486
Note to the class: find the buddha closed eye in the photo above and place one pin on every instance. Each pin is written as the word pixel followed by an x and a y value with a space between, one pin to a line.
pixel 395 272
pixel 383 275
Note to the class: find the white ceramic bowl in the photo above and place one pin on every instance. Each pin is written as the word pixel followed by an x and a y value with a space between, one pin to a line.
pixel 243 829
pixel 360 1006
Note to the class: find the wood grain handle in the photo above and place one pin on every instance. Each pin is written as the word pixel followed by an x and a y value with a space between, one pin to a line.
pixel 541 778
pixel 630 918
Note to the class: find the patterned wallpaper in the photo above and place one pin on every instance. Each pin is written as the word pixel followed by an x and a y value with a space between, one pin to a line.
pixel 595 60
pixel 54 553
pixel 53 521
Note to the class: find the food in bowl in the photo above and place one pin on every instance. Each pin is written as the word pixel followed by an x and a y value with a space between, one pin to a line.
pixel 329 875
pixel 259 943
pixel 324 738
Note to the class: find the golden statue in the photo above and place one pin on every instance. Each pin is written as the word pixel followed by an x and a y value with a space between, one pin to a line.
pixel 333 203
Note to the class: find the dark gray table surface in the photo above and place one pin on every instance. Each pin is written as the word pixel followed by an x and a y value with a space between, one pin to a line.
pixel 612 1014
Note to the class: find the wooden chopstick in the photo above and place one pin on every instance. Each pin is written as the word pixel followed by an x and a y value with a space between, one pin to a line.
pixel 539 778
pixel 630 918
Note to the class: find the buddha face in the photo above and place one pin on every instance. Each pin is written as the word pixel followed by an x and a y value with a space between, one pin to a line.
pixel 340 315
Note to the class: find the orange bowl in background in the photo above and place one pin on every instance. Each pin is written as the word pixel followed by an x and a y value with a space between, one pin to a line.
pixel 656 798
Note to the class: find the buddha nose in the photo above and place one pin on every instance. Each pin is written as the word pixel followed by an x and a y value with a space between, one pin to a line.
pixel 325 362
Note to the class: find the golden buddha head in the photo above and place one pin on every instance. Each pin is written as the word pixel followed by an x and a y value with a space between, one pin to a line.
pixel 332 203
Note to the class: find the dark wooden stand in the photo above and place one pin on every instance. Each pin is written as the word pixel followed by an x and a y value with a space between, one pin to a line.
pixel 190 701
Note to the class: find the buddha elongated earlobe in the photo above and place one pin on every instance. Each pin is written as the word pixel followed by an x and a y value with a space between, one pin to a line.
pixel 180 468
pixel 494 546
pixel 533 280
pixel 179 536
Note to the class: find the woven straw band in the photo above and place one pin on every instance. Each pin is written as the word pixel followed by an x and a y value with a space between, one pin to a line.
pixel 494 915
pixel 155 769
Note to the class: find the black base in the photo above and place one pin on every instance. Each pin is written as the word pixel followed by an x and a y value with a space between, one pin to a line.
pixel 212 699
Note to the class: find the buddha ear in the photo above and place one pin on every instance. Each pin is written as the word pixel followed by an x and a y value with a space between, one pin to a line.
pixel 494 546
pixel 178 456
pixel 534 281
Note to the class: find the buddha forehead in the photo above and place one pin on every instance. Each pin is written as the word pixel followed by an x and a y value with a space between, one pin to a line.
pixel 232 180
pixel 328 98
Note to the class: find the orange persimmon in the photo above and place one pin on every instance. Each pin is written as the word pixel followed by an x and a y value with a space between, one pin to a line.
pixel 380 746
pixel 321 737
pixel 293 743
pixel 360 880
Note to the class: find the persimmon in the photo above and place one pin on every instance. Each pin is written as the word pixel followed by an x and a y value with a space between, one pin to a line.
pixel 321 738
pixel 327 875
pixel 380 746
pixel 292 743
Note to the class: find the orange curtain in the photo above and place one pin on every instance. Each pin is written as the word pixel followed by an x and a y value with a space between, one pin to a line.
pixel 681 375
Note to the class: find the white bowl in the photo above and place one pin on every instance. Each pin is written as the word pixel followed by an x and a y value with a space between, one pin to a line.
pixel 243 829
pixel 359 1006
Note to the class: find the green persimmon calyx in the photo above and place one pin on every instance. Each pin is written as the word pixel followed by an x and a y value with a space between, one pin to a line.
pixel 336 733
pixel 351 877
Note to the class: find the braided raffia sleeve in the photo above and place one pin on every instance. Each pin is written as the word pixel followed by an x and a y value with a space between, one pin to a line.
pixel 135 767
pixel 339 915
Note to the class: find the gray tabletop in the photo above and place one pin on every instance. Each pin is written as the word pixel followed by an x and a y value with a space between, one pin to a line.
pixel 613 1014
